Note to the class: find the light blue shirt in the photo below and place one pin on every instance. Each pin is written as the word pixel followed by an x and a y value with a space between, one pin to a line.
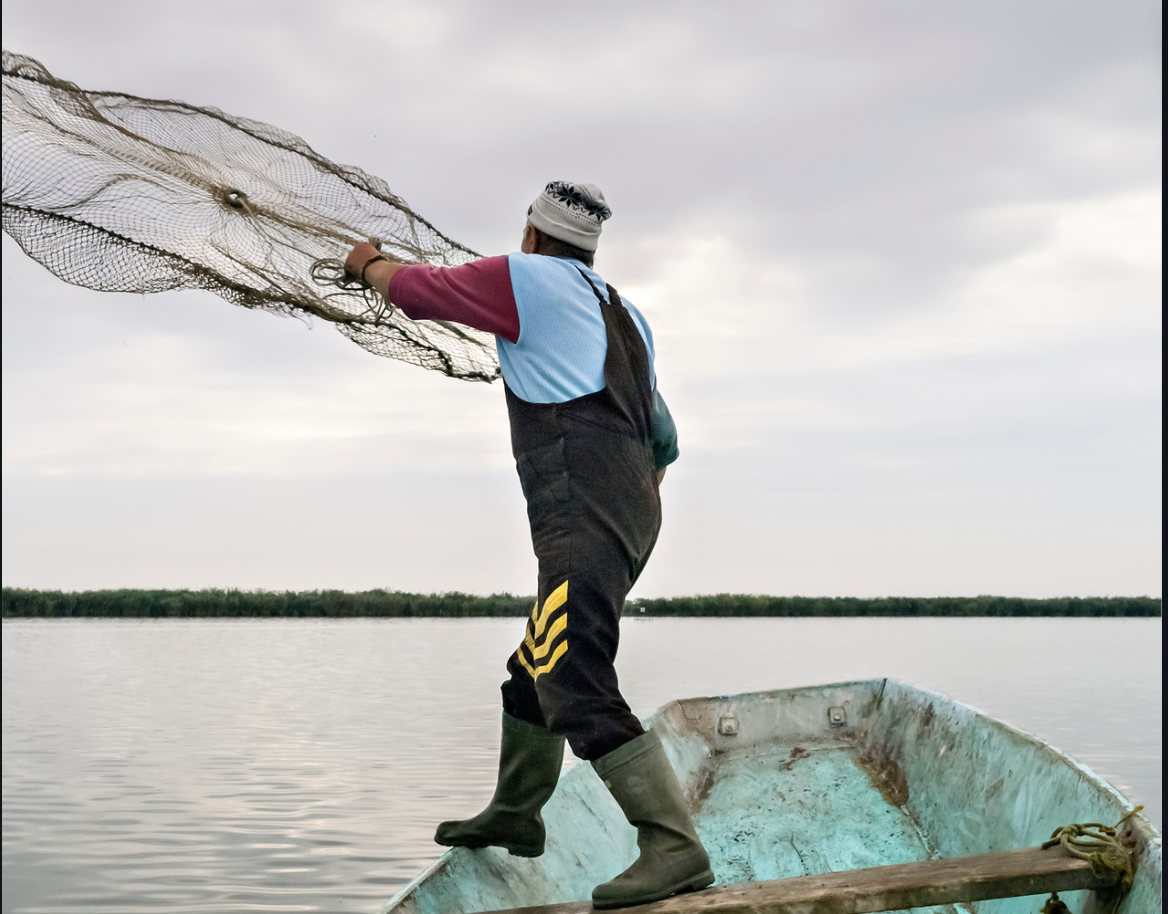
pixel 562 343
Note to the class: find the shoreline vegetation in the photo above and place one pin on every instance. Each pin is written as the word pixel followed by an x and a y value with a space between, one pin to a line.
pixel 20 603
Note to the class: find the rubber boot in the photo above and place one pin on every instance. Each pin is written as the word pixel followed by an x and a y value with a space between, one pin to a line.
pixel 672 859
pixel 530 759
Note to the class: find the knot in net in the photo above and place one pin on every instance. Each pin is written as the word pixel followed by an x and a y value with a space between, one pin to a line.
pixel 125 194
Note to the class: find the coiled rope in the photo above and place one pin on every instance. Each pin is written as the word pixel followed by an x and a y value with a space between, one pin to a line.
pixel 330 272
pixel 1100 846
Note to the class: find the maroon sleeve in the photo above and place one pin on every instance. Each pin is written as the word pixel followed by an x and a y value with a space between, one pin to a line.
pixel 477 294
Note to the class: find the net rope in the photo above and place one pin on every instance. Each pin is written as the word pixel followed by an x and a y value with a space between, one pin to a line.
pixel 125 194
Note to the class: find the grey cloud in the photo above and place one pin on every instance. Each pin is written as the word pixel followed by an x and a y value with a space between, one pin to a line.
pixel 880 154
pixel 900 114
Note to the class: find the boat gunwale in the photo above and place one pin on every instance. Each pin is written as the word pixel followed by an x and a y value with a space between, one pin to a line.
pixel 1147 836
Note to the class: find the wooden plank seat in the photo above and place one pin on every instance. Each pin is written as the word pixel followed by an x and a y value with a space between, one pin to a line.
pixel 1009 874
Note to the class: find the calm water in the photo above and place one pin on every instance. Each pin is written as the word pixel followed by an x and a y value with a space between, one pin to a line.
pixel 301 765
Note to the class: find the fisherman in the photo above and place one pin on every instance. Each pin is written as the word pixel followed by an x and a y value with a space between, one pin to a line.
pixel 592 438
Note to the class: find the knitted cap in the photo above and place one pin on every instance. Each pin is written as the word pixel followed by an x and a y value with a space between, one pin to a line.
pixel 570 212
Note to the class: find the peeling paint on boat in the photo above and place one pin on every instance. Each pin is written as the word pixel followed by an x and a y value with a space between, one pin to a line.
pixel 814 780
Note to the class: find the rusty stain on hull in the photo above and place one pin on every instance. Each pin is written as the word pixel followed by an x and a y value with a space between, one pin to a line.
pixel 886 776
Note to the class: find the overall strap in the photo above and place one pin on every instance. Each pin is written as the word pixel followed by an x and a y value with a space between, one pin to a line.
pixel 596 291
pixel 627 388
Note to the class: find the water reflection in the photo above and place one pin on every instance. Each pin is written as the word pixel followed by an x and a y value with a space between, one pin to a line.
pixel 301 765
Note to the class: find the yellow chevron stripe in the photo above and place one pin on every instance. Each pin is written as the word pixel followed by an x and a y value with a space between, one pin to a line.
pixel 523 662
pixel 536 672
pixel 555 600
pixel 535 633
pixel 538 653
pixel 547 667
pixel 539 649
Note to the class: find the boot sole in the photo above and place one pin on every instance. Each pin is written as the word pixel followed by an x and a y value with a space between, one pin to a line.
pixel 692 884
pixel 515 850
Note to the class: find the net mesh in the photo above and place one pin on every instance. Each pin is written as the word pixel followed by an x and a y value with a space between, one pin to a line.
pixel 126 194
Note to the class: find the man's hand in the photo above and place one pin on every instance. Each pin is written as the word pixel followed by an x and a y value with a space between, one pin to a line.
pixel 377 274
pixel 358 257
pixel 661 475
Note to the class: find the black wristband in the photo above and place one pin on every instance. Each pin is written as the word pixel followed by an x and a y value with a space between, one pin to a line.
pixel 368 263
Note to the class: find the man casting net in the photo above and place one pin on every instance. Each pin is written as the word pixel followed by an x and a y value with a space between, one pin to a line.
pixel 126 194
pixel 114 192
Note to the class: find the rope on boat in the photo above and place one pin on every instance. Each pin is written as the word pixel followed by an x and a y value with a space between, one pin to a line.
pixel 1100 846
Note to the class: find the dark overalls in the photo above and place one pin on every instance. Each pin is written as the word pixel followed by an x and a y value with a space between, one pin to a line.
pixel 587 471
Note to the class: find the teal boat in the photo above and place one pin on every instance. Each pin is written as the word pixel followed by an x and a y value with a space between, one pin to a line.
pixel 824 780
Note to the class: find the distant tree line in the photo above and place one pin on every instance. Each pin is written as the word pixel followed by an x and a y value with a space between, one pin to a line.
pixel 192 604
pixel 727 604
pixel 188 604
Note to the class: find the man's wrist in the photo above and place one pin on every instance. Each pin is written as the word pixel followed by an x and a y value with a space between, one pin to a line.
pixel 378 272
pixel 370 262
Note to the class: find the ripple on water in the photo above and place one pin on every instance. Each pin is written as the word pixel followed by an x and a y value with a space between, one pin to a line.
pixel 290 765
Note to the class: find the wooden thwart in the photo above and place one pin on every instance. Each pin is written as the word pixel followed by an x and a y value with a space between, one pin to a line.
pixel 883 888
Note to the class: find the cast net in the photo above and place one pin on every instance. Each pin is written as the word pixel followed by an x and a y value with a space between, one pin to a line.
pixel 126 194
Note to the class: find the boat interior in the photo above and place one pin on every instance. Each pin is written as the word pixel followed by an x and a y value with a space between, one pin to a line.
pixel 811 781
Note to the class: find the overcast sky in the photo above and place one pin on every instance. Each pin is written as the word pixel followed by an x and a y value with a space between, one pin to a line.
pixel 902 261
